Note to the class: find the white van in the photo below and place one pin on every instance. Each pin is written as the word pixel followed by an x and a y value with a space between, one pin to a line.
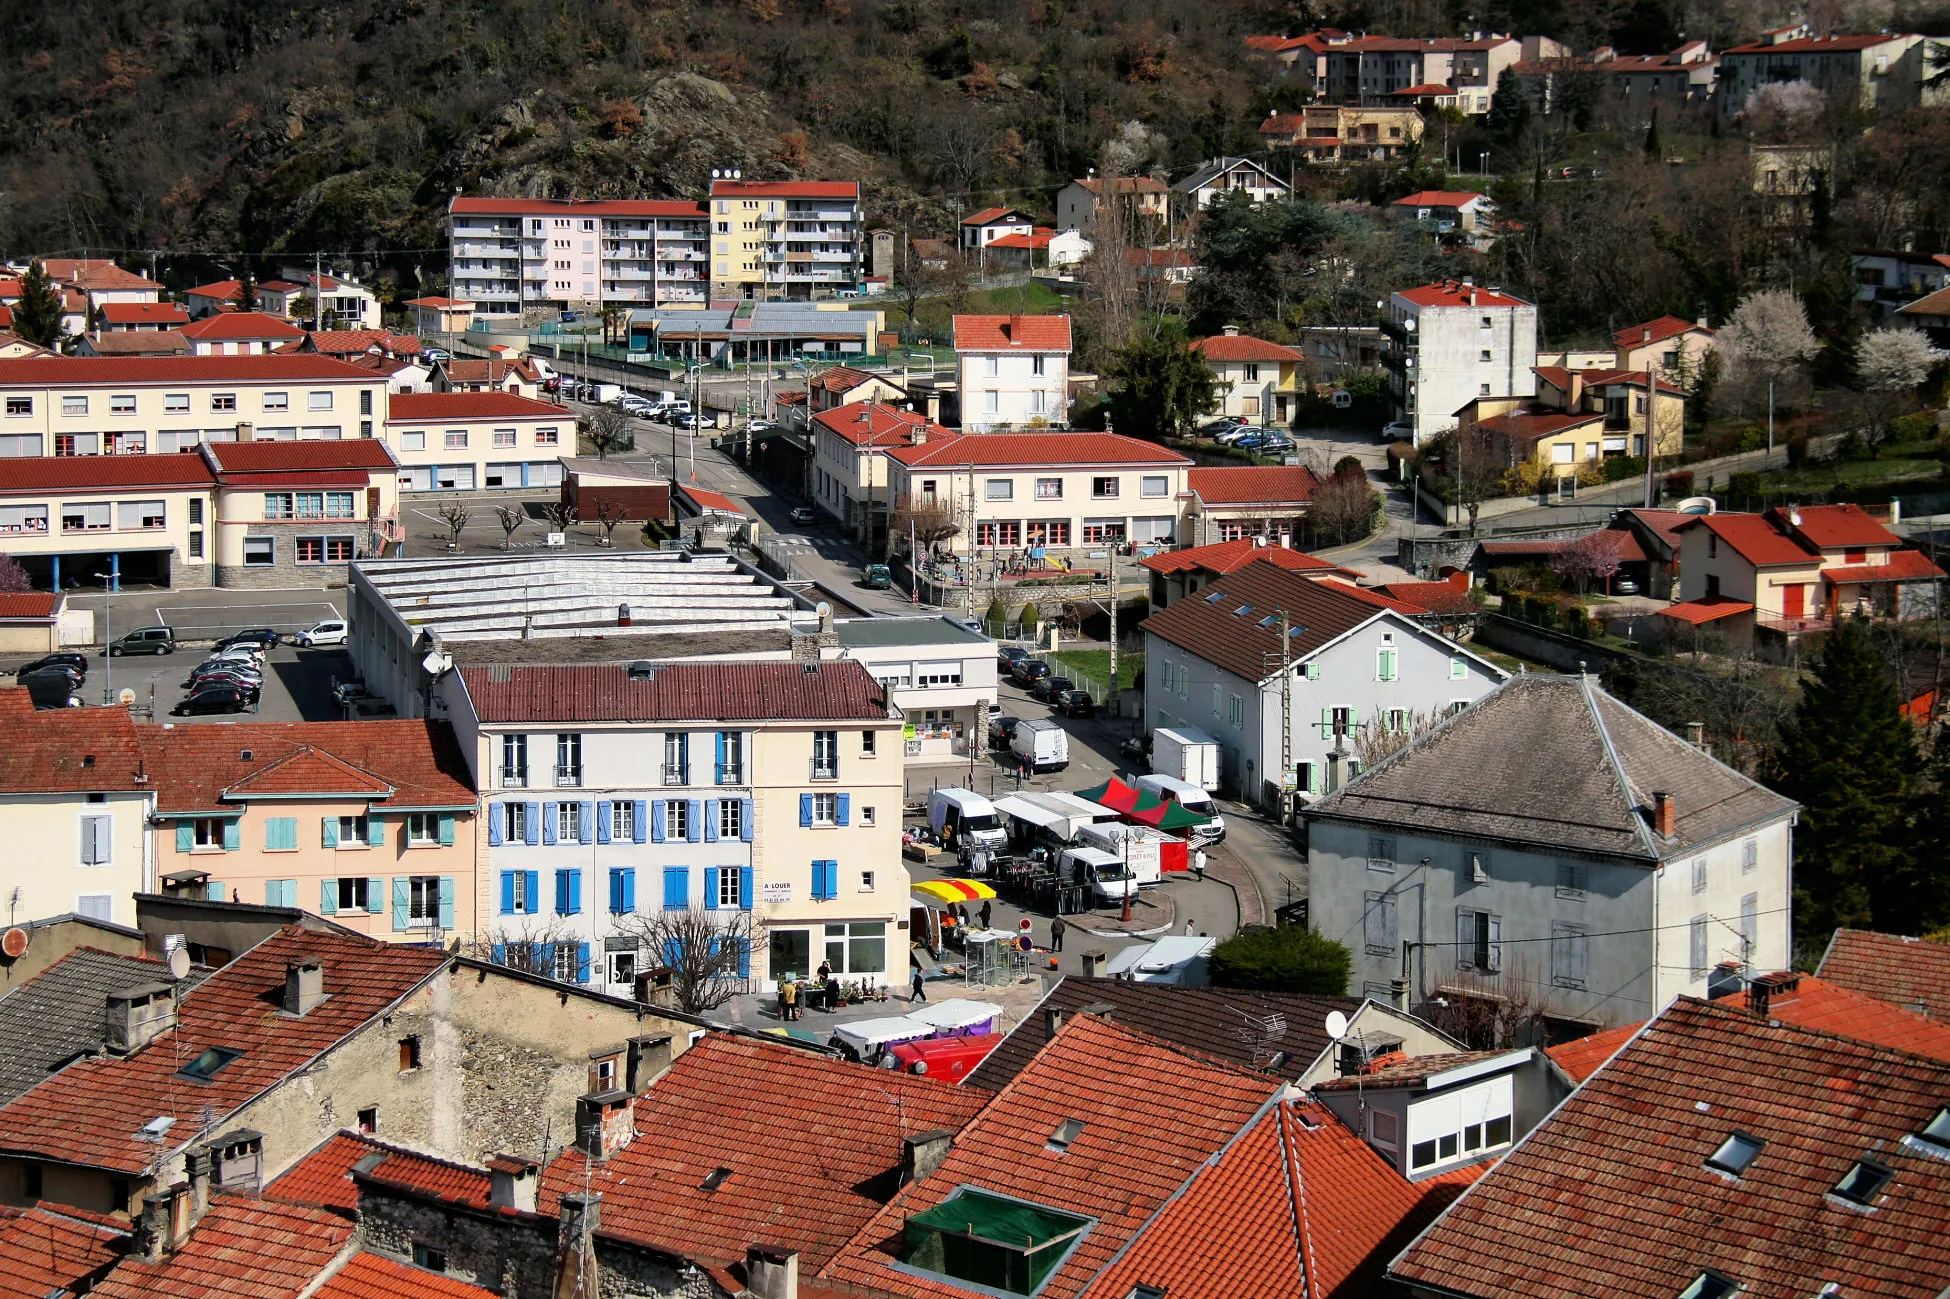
pixel 1043 744
pixel 1110 880
pixel 1192 799
pixel 1139 847
pixel 961 816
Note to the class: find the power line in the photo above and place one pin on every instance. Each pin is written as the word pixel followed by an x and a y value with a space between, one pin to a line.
pixel 1613 933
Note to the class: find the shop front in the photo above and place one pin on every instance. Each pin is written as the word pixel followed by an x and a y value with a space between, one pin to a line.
pixel 855 949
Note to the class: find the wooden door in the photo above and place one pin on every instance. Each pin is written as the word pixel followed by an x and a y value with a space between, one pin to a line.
pixel 1794 601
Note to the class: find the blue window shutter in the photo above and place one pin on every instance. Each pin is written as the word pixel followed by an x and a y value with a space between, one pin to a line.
pixel 233 835
pixel 562 893
pixel 673 952
pixel 657 820
pixel 710 888
pixel 586 822
pixel 494 825
pixel 331 831
pixel 401 885
pixel 744 958
pixel 213 890
pixel 498 953
pixel 615 890
pixel 720 771
pixel 640 823
pixel 186 836
pixel 548 822
pixel 376 832
pixel 694 821
pixel 819 881
pixel 710 820
pixel 375 894
pixel 582 962
pixel 445 829
pixel 745 888
pixel 602 821
pixel 745 821
pixel 531 828
pixel 845 812
pixel 533 892
pixel 677 888
pixel 684 757
pixel 805 811
pixel 629 890
pixel 446 902
pixel 575 891
pixel 831 880
pixel 328 901
pixel 507 893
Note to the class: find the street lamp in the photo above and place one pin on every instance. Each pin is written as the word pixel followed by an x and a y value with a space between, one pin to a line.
pixel 1483 164
pixel 108 642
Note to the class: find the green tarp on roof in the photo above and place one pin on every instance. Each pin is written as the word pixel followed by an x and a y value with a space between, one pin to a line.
pixel 1003 1222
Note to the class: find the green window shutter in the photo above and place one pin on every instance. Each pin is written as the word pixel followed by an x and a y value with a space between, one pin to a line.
pixel 446 829
pixel 446 902
pixel 328 898
pixel 375 832
pixel 401 884
pixel 330 832
pixel 186 836
pixel 375 895
pixel 233 835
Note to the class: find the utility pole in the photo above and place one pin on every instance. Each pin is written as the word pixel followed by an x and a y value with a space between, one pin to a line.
pixel 1286 717
pixel 1116 696
pixel 317 292
pixel 968 584
pixel 1651 433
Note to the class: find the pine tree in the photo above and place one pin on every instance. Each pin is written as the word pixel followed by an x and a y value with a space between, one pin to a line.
pixel 1509 108
pixel 1919 896
pixel 1848 757
pixel 247 290
pixel 1652 135
pixel 37 316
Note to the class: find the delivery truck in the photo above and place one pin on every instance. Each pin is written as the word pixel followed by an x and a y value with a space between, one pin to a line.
pixel 1040 744
pixel 1185 754
pixel 962 816
pixel 1139 847
pixel 1192 798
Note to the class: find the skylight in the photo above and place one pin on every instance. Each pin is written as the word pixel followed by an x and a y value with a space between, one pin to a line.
pixel 1864 1182
pixel 715 1178
pixel 1711 1285
pixel 1296 630
pixel 1066 1132
pixel 1735 1154
pixel 1215 597
pixel 1268 620
pixel 1937 1130
pixel 1242 611
pixel 210 1063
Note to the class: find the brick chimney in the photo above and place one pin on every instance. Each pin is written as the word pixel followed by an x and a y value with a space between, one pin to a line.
pixel 136 1016
pixel 623 615
pixel 149 1240
pixel 1773 990
pixel 512 1182
pixel 923 1152
pixel 605 1123
pixel 304 986
pixel 1662 813
pixel 772 1272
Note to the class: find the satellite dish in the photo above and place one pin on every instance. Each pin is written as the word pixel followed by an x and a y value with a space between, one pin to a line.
pixel 14 943
pixel 1336 1025
pixel 125 697
pixel 179 963
pixel 823 609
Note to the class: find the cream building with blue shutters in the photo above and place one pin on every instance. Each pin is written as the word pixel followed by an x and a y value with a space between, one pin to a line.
pixel 614 793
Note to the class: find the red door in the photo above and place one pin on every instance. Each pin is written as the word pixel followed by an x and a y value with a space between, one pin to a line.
pixel 1794 601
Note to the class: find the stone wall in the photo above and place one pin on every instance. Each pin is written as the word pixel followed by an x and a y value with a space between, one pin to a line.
pixel 1565 653
pixel 512 1254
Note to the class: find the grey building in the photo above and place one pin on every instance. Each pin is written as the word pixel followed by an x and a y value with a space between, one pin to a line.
pixel 1552 857
pixel 1360 669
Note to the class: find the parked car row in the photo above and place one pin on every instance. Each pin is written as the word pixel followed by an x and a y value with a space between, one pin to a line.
pixel 231 679
pixel 1234 432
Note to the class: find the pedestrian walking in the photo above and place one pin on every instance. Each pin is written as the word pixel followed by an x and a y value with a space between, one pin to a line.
pixel 791 999
pixel 784 979
pixel 917 991
pixel 1191 927
pixel 1198 863
pixel 985 913
pixel 1056 928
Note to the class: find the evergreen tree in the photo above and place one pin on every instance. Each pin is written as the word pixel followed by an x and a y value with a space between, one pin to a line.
pixel 1159 384
pixel 1919 895
pixel 1848 757
pixel 247 290
pixel 1509 107
pixel 37 316
pixel 1652 135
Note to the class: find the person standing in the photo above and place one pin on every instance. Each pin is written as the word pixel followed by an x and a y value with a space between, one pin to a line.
pixel 1191 927
pixel 985 913
pixel 1056 928
pixel 917 990
pixel 791 991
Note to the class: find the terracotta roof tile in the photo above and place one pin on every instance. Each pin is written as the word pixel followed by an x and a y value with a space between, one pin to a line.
pixel 1409 1073
pixel 1913 973
pixel 1438 197
pixel 1253 484
pixel 845 189
pixel 1829 526
pixel 53 371
pixel 813 1145
pixel 1243 347
pixel 255 457
pixel 1450 597
pixel 706 499
pixel 1653 331
pixel 841 378
pixel 1587 1055
pixel 1612 1195
pixel 65 750
pixel 988 214
pixel 146 342
pixel 94 273
pixel 240 325
pixel 1709 608
pixel 1230 556
pixel 417 407
pixel 57 1016
pixel 28 604
pixel 1006 333
pixel 1903 566
pixel 374 1276
pixel 1209 625
pixel 144 313
pixel 49 1250
pixel 242 1249
pixel 1755 540
pixel 1037 238
pixel 877 424
pixel 363 340
pixel 1033 450
pixel 176 469
pixel 1452 293
pixel 677 692
pixel 203 768
pixel 93 1111
pixel 1930 304
pixel 1814 1002
pixel 324 1177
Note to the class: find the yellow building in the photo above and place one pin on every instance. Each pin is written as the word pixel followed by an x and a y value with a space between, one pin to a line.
pixel 1344 132
pixel 1256 378
pixel 785 240
pixel 1675 347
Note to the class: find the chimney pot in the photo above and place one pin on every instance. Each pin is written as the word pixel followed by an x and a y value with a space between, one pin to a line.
pixel 605 1123
pixel 1094 964
pixel 245 431
pixel 304 986
pixel 512 1182
pixel 151 1236
pixel 649 1058
pixel 1773 989
pixel 1231 331
pixel 772 1272
pixel 1053 1019
pixel 136 1016
pixel 623 615
pixel 1662 813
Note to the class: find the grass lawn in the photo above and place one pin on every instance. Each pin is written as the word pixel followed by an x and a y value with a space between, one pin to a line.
pixel 1095 664
pixel 935 313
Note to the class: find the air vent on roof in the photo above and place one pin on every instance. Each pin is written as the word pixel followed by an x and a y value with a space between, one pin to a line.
pixel 643 670
pixel 715 1178
pixel 244 755
pixel 87 759
pixel 1937 1132
pixel 1066 1132
pixel 1735 1154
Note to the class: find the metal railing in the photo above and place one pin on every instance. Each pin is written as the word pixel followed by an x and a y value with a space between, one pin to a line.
pixel 514 777
pixel 568 777
pixel 825 768
pixel 677 773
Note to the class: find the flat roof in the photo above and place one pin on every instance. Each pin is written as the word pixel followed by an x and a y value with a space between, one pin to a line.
pixel 864 633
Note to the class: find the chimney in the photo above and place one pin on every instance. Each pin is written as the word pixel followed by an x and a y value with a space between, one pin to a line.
pixel 649 1059
pixel 605 1123
pixel 150 1238
pixel 304 986
pixel 1054 1018
pixel 1696 734
pixel 1662 813
pixel 576 1271
pixel 200 1163
pixel 1398 994
pixel 245 431
pixel 1700 321
pixel 1469 281
pixel 1645 335
pixel 772 1272
pixel 1773 990
pixel 1230 331
pixel 918 435
pixel 137 1016
pixel 512 1182
pixel 1093 964
pixel 923 1152
pixel 623 615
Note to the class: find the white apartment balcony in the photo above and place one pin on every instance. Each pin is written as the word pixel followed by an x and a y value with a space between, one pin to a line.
pixel 630 274
pixel 668 274
pixel 681 252
pixel 674 293
pixel 487 230
pixel 843 214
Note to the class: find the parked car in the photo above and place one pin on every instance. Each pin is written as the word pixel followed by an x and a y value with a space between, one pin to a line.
pixel 1050 687
pixel 801 514
pixel 67 672
pixel 1213 428
pixel 79 662
pixel 683 419
pixel 347 691
pixel 243 652
pixel 1074 703
pixel 1000 729
pixel 260 636
pixel 1398 431
pixel 436 354
pixel 235 667
pixel 877 577
pixel 1624 586
pixel 223 681
pixel 143 640
pixel 1137 750
pixel 1232 435
pixel 1029 670
pixel 1007 656
pixel 50 691
pixel 1274 444
pixel 329 632
pixel 217 699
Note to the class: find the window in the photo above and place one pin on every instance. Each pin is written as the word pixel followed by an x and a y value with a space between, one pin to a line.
pixel 1569 953
pixel 176 403
pixel 548 437
pixel 1381 853
pixel 1235 711
pixel 1710 1284
pixel 223 401
pixel 1749 856
pixel 568 758
pixel 423 900
pixel 1103 489
pixel 318 401
pixel 1736 1153
pixel 413 441
pixel 504 437
pixel 1049 489
pixel 1378 924
pixel 514 760
pixel 352 831
pixel 731 758
pixel 1102 531
pixel 568 823
pixel 677 764
pixel 1487 323
pixel 677 819
pixel 1699 874
pixel 1484 355
pixel 1570 881
pixel 422 828
pixel 277 401
pixel 951 1240
pixel 76 444
pixel 260 552
pixel 85 517
pixel 1937 1131
pixel 825 809
pixel 1479 941
pixel 731 819
pixel 999 489
pixel 622 821
pixel 426 1256
pixel 728 897
pixel 1386 664
pixel 209 1063
pixel 1483 390
pixel 1864 1182
pixel 97 840
pixel 409 1053
pixel 991 366
pixel 20 405
pixel 1696 945
pixel 353 893
pixel 826 755
pixel 1154 485
pixel 73 406
pixel 454 439
pixel 207 832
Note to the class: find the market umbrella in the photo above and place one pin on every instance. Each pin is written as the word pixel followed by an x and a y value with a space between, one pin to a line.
pixel 952 891
pixel 1113 794
pixel 1166 815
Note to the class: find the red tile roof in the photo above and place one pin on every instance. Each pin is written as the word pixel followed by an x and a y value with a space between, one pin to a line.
pixel 1035 450
pixel 1913 973
pixel 324 1177
pixel 705 499
pixel 1611 1194
pixel 877 424
pixel 1930 304
pixel 1453 293
pixel 841 378
pixel 1754 539
pixel 1450 597
pixel 1813 1002
pixel 1812 45
pixel 1009 333
pixel 241 325
pixel 94 273
pixel 266 457
pixel 1158 257
pixel 988 214
pixel 845 189
pixel 374 1276
pixel 142 342
pixel 1282 124
pixel 576 207
pixel 220 290
pixel 1036 239
pixel 144 313
pixel 1230 556
pixel 1208 624
pixel 65 750
pixel 1709 608
pixel 92 1113
pixel 731 1102
pixel 51 371
pixel 51 1250
pixel 490 370
pixel 1243 347
pixel 1653 331
pixel 1903 566
pixel 1138 1147
pixel 677 692
pixel 169 470
pixel 1664 524
pixel 1438 197
pixel 1830 526
pixel 1253 484
pixel 346 341
pixel 28 604
pixel 418 407
pixel 202 768
pixel 439 302
pixel 1529 426
pixel 1427 89
pixel 242 1249
pixel 1587 1055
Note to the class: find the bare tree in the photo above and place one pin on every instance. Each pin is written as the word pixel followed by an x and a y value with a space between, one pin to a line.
pixel 539 945
pixel 607 429
pixel 1343 509
pixel 560 514
pixel 702 952
pixel 510 517
pixel 1376 740
pixel 930 520
pixel 454 516
pixel 1591 558
pixel 609 513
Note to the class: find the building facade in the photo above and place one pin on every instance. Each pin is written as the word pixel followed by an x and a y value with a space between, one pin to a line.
pixel 477 441
pixel 1256 379
pixel 786 240
pixel 938 673
pixel 508 257
pixel 1884 72
pixel 1013 371
pixel 1451 343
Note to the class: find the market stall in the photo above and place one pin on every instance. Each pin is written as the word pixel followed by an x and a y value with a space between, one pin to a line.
pixel 931 921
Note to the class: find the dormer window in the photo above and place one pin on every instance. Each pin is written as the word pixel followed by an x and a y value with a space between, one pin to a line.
pixel 1937 1131
pixel 1736 1154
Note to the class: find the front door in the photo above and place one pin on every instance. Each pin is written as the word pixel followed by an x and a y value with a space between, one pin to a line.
pixel 1794 601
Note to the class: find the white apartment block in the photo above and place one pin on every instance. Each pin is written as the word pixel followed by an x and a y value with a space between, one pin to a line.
pixel 509 256
pixel 1886 71
pixel 1013 371
pixel 1451 343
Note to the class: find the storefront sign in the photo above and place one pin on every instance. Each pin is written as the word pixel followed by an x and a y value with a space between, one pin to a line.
pixel 774 892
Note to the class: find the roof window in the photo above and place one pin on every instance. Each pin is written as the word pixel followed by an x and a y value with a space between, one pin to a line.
pixel 715 1178
pixel 209 1064
pixel 1937 1131
pixel 1242 611
pixel 1735 1154
pixel 1864 1182
pixel 1214 596
pixel 1268 620
pixel 1066 1132
pixel 1711 1285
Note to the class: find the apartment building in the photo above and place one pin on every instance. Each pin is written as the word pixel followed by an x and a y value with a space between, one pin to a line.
pixel 784 240
pixel 850 443
pixel 1885 71
pixel 1373 68
pixel 293 514
pixel 1079 202
pixel 477 441
pixel 1013 371
pixel 1345 133
pixel 510 256
pixel 768 792
pixel 1451 343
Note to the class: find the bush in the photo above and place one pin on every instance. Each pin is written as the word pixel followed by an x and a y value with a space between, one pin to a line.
pixel 1028 619
pixel 1679 483
pixel 1350 466
pixel 997 617
pixel 1797 451
pixel 1917 426
pixel 1576 621
pixel 1619 468
pixel 1504 581
pixel 1289 959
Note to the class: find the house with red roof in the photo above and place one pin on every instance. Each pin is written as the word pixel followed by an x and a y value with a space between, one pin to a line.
pixel 1464 216
pixel 1257 379
pixel 1231 502
pixel 241 333
pixel 314 301
pixel 161 342
pixel 1795 570
pixel 851 481
pixel 100 281
pixel 1675 348
pixel 1338 133
pixel 980 229
pixel 1452 343
pixel 1304 58
pixel 437 314
pixel 130 317
pixel 1376 69
pixel 103 519
pixel 296 513
pixel 1176 574
pixel 517 376
pixel 1013 371
pixel 1079 202
pixel 209 299
pixel 1043 246
pixel 477 441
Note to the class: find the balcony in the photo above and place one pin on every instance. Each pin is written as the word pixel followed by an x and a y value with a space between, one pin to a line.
pixel 568 777
pixel 514 777
pixel 731 775
pixel 1397 331
pixel 825 768
pixel 677 774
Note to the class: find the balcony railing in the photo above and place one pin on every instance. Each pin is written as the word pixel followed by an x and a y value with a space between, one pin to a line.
pixel 730 774
pixel 514 777
pixel 568 777
pixel 825 768
pixel 677 774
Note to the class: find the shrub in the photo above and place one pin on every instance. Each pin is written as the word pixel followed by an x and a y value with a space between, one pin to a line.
pixel 1030 615
pixel 1288 959
pixel 1576 621
pixel 1679 483
pixel 1504 581
pixel 1797 451
pixel 1350 467
pixel 1917 426
pixel 997 617
pixel 1619 468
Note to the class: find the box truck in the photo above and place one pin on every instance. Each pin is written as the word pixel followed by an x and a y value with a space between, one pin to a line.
pixel 1185 754
pixel 961 816
pixel 1190 797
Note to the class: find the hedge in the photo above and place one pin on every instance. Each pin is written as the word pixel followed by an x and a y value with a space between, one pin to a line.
pixel 1288 959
